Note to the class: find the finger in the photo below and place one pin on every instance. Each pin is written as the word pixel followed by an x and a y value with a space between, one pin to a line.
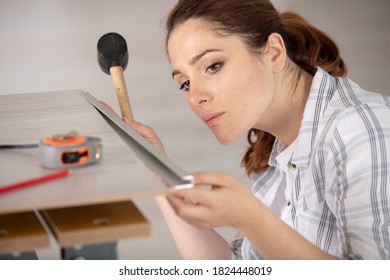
pixel 148 133
pixel 141 129
pixel 195 196
pixel 179 202
pixel 216 179
pixel 192 213
pixel 108 107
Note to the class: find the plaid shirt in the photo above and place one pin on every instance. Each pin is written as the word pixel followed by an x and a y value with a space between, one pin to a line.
pixel 339 198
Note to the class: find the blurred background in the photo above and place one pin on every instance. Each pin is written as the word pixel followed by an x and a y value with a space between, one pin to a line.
pixel 50 45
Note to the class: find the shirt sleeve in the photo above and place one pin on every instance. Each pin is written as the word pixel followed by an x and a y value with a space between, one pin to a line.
pixel 236 247
pixel 358 182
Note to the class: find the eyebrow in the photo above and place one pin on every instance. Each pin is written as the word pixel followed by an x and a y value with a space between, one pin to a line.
pixel 195 59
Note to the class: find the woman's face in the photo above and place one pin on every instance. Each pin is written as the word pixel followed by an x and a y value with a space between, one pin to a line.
pixel 228 86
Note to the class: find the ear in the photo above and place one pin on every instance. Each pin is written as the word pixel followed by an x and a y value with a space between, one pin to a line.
pixel 278 52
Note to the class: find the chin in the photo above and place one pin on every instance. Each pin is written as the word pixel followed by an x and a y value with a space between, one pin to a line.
pixel 225 139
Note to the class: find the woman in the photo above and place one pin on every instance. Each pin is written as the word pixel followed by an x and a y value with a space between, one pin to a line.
pixel 319 145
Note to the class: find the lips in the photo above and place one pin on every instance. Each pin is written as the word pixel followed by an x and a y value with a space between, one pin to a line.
pixel 211 119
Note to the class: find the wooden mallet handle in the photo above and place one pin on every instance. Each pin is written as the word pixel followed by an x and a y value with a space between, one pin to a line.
pixel 121 92
pixel 113 58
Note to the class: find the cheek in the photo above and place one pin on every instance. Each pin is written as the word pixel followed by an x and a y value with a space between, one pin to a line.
pixel 235 86
pixel 248 89
pixel 254 94
pixel 238 95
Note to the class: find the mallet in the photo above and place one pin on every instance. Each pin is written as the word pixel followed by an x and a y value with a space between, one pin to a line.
pixel 113 58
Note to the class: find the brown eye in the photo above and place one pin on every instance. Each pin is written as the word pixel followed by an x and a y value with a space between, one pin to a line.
pixel 214 67
pixel 185 86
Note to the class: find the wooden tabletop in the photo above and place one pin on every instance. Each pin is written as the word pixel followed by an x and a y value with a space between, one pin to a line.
pixel 26 118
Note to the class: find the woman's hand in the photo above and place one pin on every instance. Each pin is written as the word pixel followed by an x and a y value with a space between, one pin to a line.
pixel 143 130
pixel 224 204
pixel 146 132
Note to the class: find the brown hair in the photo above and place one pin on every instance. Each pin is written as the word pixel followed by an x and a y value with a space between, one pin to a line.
pixel 254 20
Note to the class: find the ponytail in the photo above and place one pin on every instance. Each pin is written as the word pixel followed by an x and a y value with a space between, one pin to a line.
pixel 256 157
pixel 309 47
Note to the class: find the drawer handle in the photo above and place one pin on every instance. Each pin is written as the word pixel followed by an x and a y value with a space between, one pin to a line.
pixel 3 233
pixel 101 221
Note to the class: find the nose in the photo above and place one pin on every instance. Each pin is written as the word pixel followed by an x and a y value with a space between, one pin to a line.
pixel 198 95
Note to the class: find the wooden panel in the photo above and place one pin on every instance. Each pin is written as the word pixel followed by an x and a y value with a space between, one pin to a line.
pixel 26 118
pixel 98 223
pixel 21 232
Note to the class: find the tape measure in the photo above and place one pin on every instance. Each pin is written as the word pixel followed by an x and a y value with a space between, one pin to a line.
pixel 69 150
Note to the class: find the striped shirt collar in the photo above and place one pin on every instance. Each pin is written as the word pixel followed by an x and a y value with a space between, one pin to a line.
pixel 321 92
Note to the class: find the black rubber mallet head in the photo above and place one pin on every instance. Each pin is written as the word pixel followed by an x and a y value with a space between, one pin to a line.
pixel 113 57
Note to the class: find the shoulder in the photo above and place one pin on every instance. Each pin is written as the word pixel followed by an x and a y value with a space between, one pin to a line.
pixel 354 145
pixel 349 95
pixel 341 103
pixel 354 112
pixel 354 129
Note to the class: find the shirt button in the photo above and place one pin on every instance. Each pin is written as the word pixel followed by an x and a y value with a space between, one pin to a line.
pixel 293 167
pixel 288 202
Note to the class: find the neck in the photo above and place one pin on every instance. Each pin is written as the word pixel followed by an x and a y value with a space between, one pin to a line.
pixel 288 107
